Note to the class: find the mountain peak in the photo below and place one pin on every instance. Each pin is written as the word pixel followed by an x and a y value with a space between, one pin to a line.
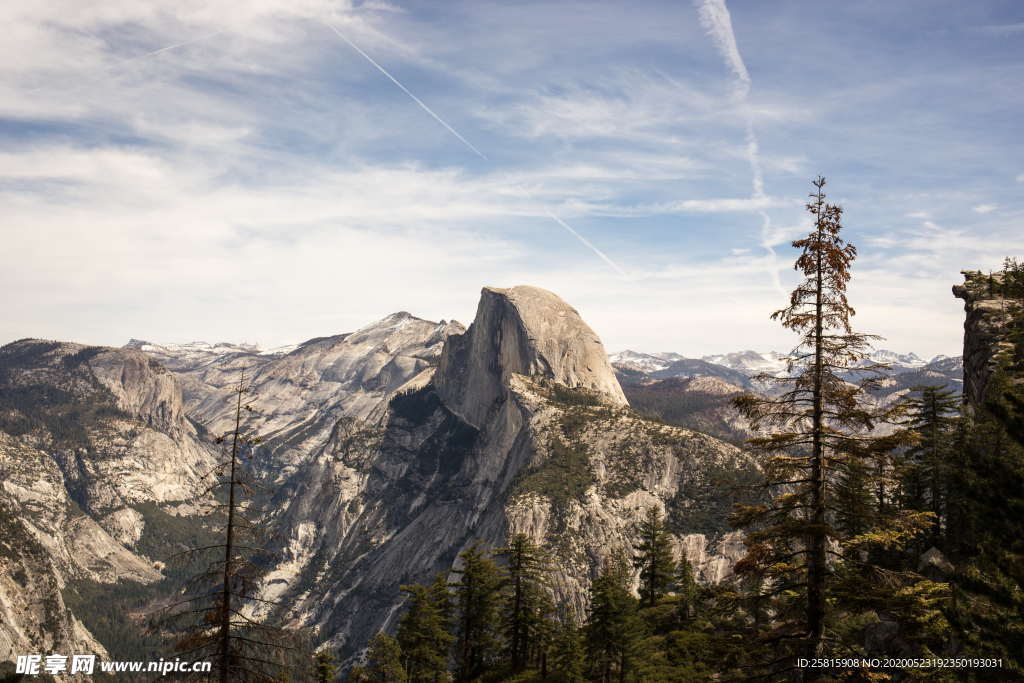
pixel 521 330
pixel 909 360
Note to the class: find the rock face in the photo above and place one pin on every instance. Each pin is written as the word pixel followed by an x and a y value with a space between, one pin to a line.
pixel 523 428
pixel 987 314
pixel 202 368
pixel 527 331
pixel 88 437
pixel 301 396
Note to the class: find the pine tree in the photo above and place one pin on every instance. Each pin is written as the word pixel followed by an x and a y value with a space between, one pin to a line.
pixel 423 635
pixel 383 663
pixel 477 600
pixel 209 616
pixel 441 598
pixel 926 465
pixel 654 558
pixel 567 653
pixel 855 502
pixel 687 588
pixel 825 435
pixel 526 603
pixel 613 629
pixel 325 668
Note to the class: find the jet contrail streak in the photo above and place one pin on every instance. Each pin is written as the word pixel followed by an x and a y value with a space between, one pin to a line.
pixel 415 99
pixel 128 60
pixel 614 266
pixel 604 257
pixel 169 47
pixel 716 20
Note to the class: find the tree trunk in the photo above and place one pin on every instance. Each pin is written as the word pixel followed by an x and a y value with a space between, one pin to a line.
pixel 225 617
pixel 816 567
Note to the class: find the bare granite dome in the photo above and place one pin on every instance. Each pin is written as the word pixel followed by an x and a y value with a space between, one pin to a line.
pixel 527 331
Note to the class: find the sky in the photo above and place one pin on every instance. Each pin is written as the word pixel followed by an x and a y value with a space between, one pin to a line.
pixel 270 171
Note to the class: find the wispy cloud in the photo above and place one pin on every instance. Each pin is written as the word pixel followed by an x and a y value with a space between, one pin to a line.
pixel 985 208
pixel 726 205
pixel 624 104
pixel 1001 29
pixel 112 66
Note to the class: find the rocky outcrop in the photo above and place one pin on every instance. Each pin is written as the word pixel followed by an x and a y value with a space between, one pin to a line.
pixel 527 331
pixel 987 314
pixel 202 368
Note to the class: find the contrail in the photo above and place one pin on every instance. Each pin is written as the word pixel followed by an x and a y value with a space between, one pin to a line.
pixel 415 99
pixel 614 266
pixel 169 47
pixel 716 20
pixel 468 144
pixel 136 58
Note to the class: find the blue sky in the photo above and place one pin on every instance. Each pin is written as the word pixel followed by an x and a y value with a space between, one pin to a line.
pixel 240 171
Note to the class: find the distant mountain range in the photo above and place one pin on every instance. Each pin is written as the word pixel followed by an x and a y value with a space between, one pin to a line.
pixel 697 393
pixel 736 367
pixel 751 363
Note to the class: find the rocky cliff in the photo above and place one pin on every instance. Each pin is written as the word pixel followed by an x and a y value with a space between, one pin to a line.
pixel 523 427
pixel 986 317
pixel 527 331
pixel 92 442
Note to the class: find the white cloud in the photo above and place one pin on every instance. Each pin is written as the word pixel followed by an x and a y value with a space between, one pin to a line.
pixel 985 208
pixel 724 205
pixel 267 183
pixel 626 104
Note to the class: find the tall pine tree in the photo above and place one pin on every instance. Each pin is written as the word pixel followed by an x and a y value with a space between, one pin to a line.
pixel 423 634
pixel 824 423
pixel 653 558
pixel 687 588
pixel 324 667
pixel 526 604
pixel 567 653
pixel 477 600
pixel 613 629
pixel 383 663
pixel 925 472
